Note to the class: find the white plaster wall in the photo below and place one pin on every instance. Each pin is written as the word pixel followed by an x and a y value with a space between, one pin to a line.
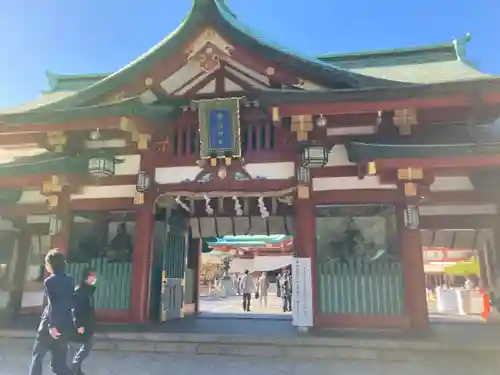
pixel 173 175
pixel 348 183
pixel 37 219
pixel 44 219
pixel 231 86
pixel 246 77
pixel 208 88
pixel 93 192
pixel 269 263
pixel 7 155
pixel 131 165
pixel 481 209
pixel 184 74
pixel 263 79
pixel 271 171
pixel 32 197
pixel 241 265
pixel 351 130
pixel 110 143
pixel 451 183
pixel 338 157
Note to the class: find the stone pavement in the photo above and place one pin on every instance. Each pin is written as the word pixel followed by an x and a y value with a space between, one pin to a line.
pixel 15 361
pixel 222 307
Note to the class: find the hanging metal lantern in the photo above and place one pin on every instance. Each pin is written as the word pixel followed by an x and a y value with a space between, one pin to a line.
pixel 143 182
pixel 101 166
pixel 54 225
pixel 314 156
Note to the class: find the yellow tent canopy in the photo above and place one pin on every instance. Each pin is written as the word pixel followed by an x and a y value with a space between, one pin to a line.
pixel 464 268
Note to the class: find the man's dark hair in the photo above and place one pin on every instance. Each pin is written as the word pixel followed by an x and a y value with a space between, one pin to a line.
pixel 56 259
pixel 247 272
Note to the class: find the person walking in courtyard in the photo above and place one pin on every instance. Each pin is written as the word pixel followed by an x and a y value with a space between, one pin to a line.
pixel 278 285
pixel 262 288
pixel 84 318
pixel 286 291
pixel 247 287
pixel 56 323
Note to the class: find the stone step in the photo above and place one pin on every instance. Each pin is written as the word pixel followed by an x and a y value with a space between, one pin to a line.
pixel 306 347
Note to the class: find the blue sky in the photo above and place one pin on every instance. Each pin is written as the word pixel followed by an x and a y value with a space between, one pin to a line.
pixel 93 36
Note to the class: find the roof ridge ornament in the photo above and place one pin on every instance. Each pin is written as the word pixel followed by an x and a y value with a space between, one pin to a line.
pixel 460 46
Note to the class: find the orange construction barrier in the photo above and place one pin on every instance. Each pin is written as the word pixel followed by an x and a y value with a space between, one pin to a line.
pixel 486 305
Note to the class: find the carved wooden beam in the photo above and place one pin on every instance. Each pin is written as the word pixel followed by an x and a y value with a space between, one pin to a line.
pixel 136 132
pixel 404 119
pixel 302 125
pixel 410 174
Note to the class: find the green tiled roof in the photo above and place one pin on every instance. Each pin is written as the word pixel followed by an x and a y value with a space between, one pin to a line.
pixel 364 152
pixel 424 64
pixel 132 107
pixel 380 94
pixel 72 82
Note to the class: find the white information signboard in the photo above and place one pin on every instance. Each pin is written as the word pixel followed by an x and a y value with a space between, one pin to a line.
pixel 302 314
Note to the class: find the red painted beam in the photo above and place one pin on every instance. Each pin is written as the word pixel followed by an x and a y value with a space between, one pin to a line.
pixel 36 180
pixel 19 139
pixel 103 204
pixel 336 171
pixel 253 186
pixel 330 108
pixel 102 123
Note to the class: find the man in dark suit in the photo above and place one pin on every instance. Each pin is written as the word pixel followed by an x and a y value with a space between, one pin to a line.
pixel 84 317
pixel 56 324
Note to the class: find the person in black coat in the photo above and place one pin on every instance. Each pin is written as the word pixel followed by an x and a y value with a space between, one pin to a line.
pixel 83 314
pixel 56 323
pixel 286 292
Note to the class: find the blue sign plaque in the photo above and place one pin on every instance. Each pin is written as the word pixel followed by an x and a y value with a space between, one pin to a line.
pixel 220 129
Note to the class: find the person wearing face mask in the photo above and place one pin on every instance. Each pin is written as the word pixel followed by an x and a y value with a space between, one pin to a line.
pixel 83 313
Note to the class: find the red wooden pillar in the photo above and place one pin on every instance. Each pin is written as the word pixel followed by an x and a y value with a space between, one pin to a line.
pixel 195 258
pixel 410 247
pixel 142 255
pixel 65 215
pixel 305 240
